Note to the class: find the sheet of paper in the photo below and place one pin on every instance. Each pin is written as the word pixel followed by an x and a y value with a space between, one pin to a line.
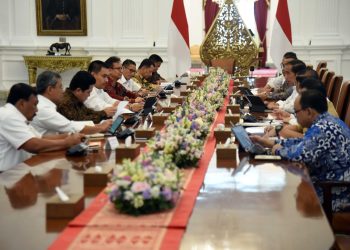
pixel 121 109
pixel 255 130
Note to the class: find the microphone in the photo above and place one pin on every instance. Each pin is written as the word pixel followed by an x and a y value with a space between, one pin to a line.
pixel 251 70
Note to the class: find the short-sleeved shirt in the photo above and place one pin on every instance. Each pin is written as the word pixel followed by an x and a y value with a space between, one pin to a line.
pixel 14 132
pixel 48 121
pixel 99 100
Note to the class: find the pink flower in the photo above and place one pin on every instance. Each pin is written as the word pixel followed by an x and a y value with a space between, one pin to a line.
pixel 138 187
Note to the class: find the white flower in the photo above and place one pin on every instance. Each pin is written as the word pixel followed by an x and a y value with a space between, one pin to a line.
pixel 122 183
pixel 138 201
pixel 128 195
pixel 155 191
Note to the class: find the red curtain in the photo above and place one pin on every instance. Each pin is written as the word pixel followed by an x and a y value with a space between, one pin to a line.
pixel 260 12
pixel 210 11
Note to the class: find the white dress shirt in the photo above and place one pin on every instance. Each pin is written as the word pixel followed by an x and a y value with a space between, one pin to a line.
pixel 276 82
pixel 14 132
pixel 49 121
pixel 288 104
pixel 99 100
pixel 129 84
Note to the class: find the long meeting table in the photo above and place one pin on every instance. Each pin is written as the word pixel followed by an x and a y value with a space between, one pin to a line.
pixel 257 205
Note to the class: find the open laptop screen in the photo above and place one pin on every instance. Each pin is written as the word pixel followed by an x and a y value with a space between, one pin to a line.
pixel 148 106
pixel 244 140
pixel 243 137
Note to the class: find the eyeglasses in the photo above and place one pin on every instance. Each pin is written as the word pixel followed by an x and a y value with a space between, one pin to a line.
pixel 117 68
pixel 297 111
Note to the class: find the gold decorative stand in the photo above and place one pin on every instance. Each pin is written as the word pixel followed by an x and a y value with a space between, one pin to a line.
pixel 229 38
pixel 54 63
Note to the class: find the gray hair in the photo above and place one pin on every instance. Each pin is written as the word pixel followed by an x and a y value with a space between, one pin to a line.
pixel 46 79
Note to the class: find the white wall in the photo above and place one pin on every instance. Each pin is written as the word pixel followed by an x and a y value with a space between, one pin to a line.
pixel 128 28
pixel 320 30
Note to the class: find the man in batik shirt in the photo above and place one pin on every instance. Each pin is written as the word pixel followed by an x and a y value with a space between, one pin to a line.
pixel 72 105
pixel 325 147
pixel 144 72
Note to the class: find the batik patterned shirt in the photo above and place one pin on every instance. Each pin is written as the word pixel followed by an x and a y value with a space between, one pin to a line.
pixel 117 91
pixel 75 110
pixel 144 83
pixel 325 149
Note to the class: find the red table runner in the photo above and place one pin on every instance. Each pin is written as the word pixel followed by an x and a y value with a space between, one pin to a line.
pixel 101 226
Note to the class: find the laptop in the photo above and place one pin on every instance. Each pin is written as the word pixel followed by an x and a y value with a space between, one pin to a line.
pixel 148 106
pixel 245 91
pixel 256 104
pixel 246 143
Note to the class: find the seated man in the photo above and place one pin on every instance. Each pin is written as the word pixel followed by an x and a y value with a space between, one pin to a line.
pixel 128 72
pixel 278 88
pixel 293 129
pixel 99 99
pixel 325 147
pixel 144 72
pixel 290 71
pixel 115 89
pixel 72 104
pixel 17 137
pixel 157 61
pixel 47 119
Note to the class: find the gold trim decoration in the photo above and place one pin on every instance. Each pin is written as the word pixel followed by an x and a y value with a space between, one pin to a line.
pixel 54 63
pixel 228 37
pixel 71 21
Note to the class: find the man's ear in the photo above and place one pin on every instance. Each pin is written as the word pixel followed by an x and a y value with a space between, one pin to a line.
pixel 310 111
pixel 49 88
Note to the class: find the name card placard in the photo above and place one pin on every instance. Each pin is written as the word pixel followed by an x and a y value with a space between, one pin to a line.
pixel 111 143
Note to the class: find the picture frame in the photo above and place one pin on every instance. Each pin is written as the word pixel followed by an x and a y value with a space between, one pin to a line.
pixel 61 17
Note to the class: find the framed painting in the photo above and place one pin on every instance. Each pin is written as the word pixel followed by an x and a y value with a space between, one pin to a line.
pixel 61 17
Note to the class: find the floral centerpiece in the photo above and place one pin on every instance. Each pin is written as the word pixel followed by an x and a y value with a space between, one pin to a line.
pixel 145 186
pixel 152 182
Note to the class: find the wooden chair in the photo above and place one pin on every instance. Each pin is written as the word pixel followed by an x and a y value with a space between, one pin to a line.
pixel 320 65
pixel 343 104
pixel 339 221
pixel 322 71
pixel 326 79
pixel 228 64
pixel 334 89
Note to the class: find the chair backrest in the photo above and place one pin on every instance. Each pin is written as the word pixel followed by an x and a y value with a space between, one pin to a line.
pixel 334 89
pixel 343 104
pixel 195 53
pixel 320 65
pixel 194 50
pixel 228 64
pixel 326 79
pixel 322 71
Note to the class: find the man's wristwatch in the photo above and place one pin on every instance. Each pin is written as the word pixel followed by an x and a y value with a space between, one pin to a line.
pixel 278 129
